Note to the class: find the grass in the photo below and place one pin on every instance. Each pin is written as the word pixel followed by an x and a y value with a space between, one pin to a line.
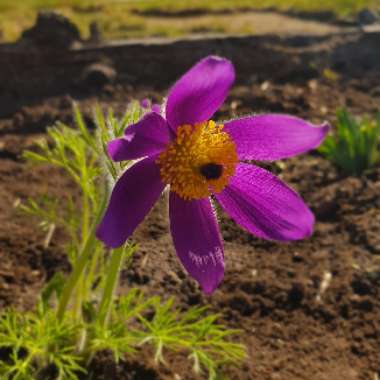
pixel 116 17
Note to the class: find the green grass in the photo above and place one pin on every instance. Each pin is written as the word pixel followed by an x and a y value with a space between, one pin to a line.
pixel 116 19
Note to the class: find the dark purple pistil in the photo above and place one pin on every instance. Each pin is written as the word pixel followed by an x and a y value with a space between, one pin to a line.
pixel 211 170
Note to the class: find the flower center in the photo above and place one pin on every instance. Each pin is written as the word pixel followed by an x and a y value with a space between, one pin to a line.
pixel 211 170
pixel 199 161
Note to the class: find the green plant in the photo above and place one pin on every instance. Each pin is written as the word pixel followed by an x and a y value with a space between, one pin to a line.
pixel 354 147
pixel 79 314
pixel 34 343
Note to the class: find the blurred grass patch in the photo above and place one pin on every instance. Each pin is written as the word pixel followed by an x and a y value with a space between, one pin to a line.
pixel 118 18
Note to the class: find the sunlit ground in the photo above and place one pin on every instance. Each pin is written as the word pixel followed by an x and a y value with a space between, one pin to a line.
pixel 121 18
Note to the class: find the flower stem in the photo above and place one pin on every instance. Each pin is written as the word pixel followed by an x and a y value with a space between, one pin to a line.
pixel 80 265
pixel 80 292
pixel 112 278
pixel 90 274
pixel 75 276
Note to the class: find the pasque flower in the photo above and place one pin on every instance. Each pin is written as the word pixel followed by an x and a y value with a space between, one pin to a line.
pixel 199 160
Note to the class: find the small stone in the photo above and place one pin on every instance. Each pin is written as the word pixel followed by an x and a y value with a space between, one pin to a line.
pixel 265 86
pixel 98 75
pixel 313 84
pixel 235 104
pixel 18 120
pixel 66 102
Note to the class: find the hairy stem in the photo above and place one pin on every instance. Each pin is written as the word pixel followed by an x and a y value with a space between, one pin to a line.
pixel 80 293
pixel 80 265
pixel 110 284
pixel 112 278
pixel 75 276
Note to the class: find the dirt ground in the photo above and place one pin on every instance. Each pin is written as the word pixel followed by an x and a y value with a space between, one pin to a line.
pixel 308 310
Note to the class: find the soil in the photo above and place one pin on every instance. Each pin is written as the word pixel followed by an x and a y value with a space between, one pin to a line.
pixel 306 310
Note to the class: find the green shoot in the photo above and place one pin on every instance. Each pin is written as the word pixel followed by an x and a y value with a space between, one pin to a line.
pixel 355 146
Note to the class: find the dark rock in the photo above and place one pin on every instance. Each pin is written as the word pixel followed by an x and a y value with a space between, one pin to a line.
pixel 66 102
pixel 361 286
pixel 52 30
pixel 367 17
pixel 98 75
pixel 295 295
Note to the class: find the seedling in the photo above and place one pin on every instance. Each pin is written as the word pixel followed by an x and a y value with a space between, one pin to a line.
pixel 354 147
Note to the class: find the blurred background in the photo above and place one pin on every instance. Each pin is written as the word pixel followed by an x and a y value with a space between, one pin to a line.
pixel 135 18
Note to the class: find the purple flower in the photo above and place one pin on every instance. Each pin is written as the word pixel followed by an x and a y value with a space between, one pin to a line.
pixel 198 159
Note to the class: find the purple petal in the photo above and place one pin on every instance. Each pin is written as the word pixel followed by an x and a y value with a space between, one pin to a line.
pixel 156 108
pixel 145 103
pixel 262 204
pixel 133 195
pixel 273 137
pixel 148 105
pixel 197 240
pixel 198 94
pixel 146 138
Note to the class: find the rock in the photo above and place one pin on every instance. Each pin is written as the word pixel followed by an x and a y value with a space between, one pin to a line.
pixel 367 17
pixel 98 75
pixel 52 30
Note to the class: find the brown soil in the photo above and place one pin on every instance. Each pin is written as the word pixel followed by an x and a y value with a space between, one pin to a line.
pixel 295 323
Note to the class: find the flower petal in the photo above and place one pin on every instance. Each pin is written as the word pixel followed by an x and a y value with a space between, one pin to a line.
pixel 273 137
pixel 197 240
pixel 145 138
pixel 156 108
pixel 133 195
pixel 148 105
pixel 145 103
pixel 198 93
pixel 262 204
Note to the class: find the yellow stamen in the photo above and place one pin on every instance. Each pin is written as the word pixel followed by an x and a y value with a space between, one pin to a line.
pixel 200 160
